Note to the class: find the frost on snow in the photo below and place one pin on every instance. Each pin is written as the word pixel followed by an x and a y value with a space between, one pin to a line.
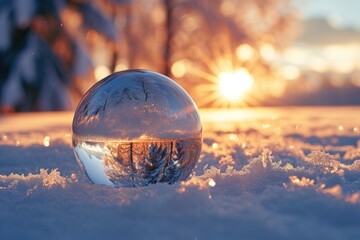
pixel 262 174
pixel 44 178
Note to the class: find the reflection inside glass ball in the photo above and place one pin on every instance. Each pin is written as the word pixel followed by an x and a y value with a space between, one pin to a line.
pixel 136 128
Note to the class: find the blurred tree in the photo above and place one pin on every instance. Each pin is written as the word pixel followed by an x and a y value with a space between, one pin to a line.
pixel 169 8
pixel 195 41
pixel 44 50
pixel 144 35
pixel 46 47
pixel 225 35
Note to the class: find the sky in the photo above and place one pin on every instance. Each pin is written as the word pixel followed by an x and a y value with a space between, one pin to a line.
pixel 346 12
pixel 329 39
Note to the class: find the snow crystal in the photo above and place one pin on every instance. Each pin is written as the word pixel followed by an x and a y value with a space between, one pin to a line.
pixel 47 180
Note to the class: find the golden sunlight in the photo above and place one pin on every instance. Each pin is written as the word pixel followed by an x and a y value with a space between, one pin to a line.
pixel 233 85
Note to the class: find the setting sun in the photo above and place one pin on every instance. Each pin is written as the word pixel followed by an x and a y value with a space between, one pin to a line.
pixel 233 85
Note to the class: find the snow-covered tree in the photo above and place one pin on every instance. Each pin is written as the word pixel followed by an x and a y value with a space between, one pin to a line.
pixel 120 165
pixel 154 164
pixel 44 50
pixel 173 169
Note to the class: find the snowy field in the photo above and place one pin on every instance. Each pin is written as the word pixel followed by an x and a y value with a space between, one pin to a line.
pixel 272 173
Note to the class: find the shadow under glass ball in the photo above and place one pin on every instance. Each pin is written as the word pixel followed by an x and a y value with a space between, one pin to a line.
pixel 136 128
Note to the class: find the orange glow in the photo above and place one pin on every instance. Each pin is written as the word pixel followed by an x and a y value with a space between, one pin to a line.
pixel 101 72
pixel 121 66
pixel 190 23
pixel 267 52
pixel 244 52
pixel 227 86
pixel 233 85
pixel 290 72
pixel 178 69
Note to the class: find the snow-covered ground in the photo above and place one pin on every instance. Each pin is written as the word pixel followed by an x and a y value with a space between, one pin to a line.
pixel 272 173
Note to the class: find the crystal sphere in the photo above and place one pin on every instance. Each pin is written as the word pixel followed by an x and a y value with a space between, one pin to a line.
pixel 136 128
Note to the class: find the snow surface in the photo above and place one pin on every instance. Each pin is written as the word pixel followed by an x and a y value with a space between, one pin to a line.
pixel 273 173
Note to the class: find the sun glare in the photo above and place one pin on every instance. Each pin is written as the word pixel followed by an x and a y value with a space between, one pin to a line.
pixel 233 85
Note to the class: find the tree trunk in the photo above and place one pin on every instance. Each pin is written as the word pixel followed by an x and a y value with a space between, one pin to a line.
pixel 169 8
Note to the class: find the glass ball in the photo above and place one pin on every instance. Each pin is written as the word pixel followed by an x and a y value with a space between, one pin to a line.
pixel 136 128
